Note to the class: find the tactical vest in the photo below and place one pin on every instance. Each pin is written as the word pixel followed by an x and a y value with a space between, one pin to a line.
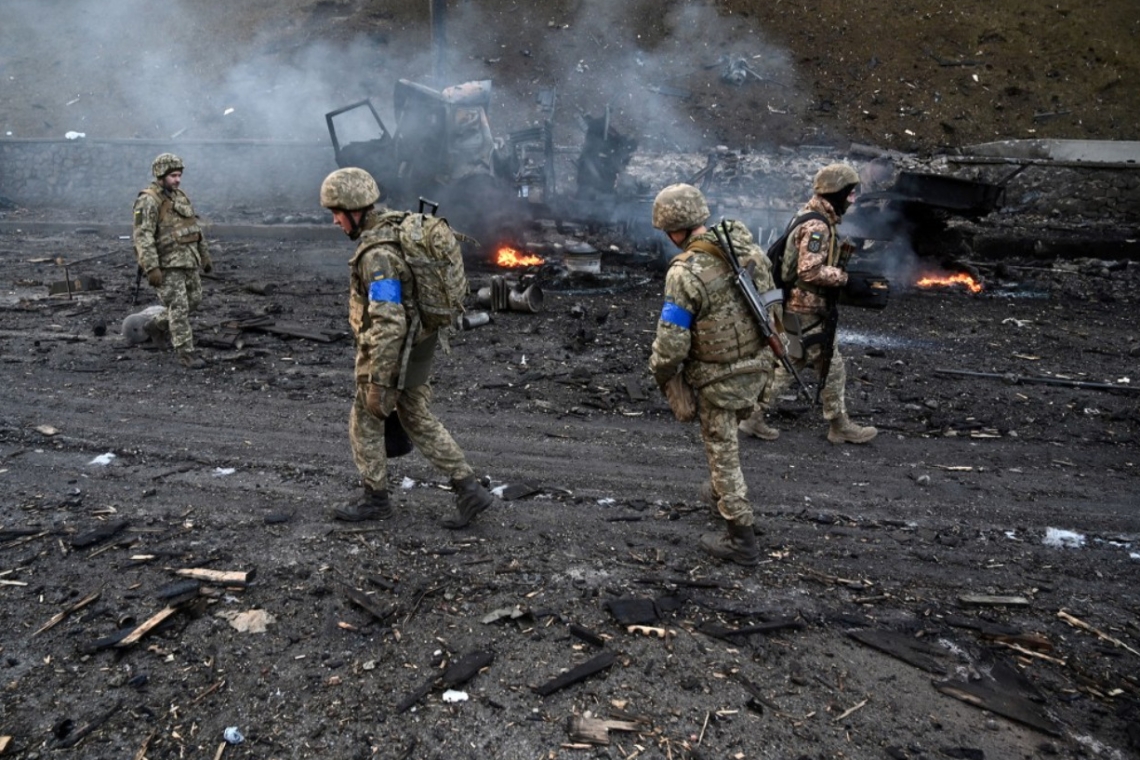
pixel 726 333
pixel 177 223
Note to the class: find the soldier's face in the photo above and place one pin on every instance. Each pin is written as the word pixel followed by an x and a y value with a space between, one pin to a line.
pixel 344 220
pixel 172 180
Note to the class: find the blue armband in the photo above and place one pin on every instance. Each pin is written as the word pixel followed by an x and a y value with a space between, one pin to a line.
pixel 672 314
pixel 386 290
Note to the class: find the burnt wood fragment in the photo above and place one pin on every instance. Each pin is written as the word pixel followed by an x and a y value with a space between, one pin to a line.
pixel 723 632
pixel 629 610
pixel 74 737
pixel 576 675
pixel 365 602
pixel 1004 692
pixel 906 648
pixel 586 635
pixel 102 533
pixel 59 616
pixel 467 667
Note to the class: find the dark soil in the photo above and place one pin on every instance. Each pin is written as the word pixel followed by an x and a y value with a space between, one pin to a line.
pixel 234 468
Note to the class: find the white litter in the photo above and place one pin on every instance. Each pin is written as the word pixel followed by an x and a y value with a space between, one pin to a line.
pixel 103 459
pixel 221 472
pixel 499 490
pixel 407 483
pixel 452 696
pixel 1063 539
pixel 232 735
pixel 606 502
pixel 227 112
pixel 74 135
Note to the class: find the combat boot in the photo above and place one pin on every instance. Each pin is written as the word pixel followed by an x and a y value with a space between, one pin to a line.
pixel 757 427
pixel 191 360
pixel 371 505
pixel 737 545
pixel 843 430
pixel 471 498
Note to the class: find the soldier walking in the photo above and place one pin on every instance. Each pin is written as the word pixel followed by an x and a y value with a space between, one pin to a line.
pixel 171 248
pixel 816 273
pixel 394 352
pixel 708 341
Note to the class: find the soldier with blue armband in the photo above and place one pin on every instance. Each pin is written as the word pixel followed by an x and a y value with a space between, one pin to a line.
pixel 708 341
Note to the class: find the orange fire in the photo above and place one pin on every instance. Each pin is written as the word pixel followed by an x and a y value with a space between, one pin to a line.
pixel 509 257
pixel 932 281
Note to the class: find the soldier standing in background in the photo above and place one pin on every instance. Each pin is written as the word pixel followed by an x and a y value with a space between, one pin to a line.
pixel 170 248
pixel 816 274
pixel 707 338
pixel 394 353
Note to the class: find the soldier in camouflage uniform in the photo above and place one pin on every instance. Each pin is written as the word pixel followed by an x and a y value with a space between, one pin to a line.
pixel 707 332
pixel 170 248
pixel 393 356
pixel 818 275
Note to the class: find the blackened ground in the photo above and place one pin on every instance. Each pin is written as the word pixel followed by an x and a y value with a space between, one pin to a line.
pixel 235 467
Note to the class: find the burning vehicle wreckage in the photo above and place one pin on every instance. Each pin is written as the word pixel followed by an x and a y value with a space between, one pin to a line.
pixel 507 196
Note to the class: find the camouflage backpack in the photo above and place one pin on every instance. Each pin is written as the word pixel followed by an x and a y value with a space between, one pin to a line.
pixel 432 252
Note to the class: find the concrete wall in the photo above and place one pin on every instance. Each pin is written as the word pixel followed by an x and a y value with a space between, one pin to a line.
pixel 104 176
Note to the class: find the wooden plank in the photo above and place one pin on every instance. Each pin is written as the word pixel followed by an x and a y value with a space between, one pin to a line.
pixel 217 577
pixel 146 626
pixel 992 600
pixel 576 675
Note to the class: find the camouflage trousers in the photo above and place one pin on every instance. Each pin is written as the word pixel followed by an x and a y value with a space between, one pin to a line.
pixel 366 437
pixel 722 449
pixel 180 293
pixel 834 401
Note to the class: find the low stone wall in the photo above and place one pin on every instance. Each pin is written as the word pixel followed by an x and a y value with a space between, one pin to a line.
pixel 105 176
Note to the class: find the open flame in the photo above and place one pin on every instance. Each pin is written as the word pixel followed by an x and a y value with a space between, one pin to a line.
pixel 509 257
pixel 945 281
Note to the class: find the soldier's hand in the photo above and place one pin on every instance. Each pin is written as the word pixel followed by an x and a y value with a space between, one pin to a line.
pixel 154 277
pixel 207 263
pixel 380 400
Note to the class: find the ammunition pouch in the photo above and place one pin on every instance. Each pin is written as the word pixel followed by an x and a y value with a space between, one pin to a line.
pixel 865 290
pixel 720 341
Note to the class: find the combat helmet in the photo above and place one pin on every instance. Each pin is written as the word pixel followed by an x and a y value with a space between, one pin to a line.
pixel 833 178
pixel 164 164
pixel 679 207
pixel 349 189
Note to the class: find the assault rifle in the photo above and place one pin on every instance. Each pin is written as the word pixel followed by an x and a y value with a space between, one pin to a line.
pixel 138 282
pixel 758 304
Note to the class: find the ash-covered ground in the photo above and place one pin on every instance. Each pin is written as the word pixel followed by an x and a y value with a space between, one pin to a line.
pixel 963 586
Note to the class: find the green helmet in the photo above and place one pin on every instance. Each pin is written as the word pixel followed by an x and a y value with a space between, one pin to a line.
pixel 164 164
pixel 349 189
pixel 679 207
pixel 833 178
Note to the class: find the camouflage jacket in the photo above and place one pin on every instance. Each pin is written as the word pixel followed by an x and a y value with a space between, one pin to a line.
pixel 166 233
pixel 381 309
pixel 706 329
pixel 817 252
